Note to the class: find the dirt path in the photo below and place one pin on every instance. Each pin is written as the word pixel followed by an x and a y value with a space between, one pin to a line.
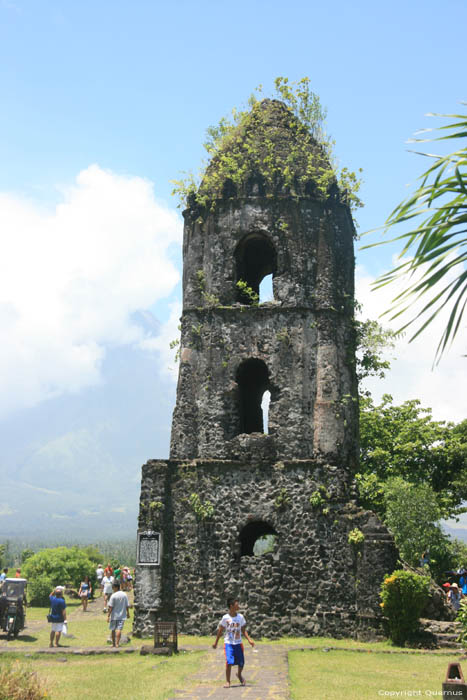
pixel 266 674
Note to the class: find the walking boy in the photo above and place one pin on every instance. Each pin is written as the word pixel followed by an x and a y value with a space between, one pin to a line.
pixel 232 626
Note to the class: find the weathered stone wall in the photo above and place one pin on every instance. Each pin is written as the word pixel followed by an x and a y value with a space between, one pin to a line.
pixel 227 481
pixel 314 582
pixel 305 336
pixel 307 355
pixel 313 242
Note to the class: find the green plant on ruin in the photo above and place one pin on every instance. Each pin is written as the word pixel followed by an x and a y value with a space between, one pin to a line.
pixel 202 511
pixel 319 498
pixel 283 336
pixel 210 300
pixel 175 345
pixel 196 334
pixel 356 538
pixel 245 143
pixel 155 506
pixel 200 276
pixel 282 500
pixel 248 293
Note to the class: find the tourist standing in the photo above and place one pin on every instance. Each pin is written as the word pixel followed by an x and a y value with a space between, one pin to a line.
pixel 57 615
pixel 84 592
pixel 100 576
pixel 107 582
pixel 454 596
pixel 118 611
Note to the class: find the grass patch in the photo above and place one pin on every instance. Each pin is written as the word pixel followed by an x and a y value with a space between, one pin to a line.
pixel 332 675
pixel 127 676
pixel 39 614
pixel 320 642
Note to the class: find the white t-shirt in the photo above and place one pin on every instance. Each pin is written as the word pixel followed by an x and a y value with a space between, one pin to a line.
pixel 233 628
pixel 99 573
pixel 119 604
pixel 107 582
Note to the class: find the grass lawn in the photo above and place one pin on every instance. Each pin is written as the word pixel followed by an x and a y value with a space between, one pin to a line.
pixel 129 676
pixel 335 675
pixel 320 673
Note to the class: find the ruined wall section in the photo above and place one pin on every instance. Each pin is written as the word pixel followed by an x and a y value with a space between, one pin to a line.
pixel 313 582
pixel 313 241
pixel 307 356
pixel 304 336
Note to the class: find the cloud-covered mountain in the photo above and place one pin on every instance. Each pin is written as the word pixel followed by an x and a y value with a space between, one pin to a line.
pixel 71 466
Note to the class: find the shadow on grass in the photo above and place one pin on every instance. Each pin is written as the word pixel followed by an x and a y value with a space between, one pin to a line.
pixel 20 638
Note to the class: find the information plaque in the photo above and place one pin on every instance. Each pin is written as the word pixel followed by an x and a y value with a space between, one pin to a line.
pixel 149 548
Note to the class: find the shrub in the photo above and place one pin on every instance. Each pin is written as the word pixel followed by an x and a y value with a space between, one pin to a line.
pixel 53 567
pixel 403 595
pixel 20 683
pixel 356 538
pixel 462 618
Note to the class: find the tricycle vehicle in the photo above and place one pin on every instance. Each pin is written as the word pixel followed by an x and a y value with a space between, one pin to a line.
pixel 13 606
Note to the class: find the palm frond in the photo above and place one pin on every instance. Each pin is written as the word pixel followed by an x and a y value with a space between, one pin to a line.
pixel 437 244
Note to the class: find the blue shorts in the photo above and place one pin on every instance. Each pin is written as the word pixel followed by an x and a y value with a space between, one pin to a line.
pixel 234 655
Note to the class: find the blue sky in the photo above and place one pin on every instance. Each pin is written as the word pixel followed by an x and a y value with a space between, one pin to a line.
pixel 103 103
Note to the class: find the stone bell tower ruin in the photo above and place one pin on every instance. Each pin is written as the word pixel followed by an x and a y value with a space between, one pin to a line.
pixel 231 479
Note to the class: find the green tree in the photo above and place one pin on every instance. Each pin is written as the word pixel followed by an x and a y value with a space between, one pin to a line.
pixel 53 567
pixel 404 441
pixel 371 342
pixel 436 216
pixel 26 553
pixel 93 553
pixel 412 513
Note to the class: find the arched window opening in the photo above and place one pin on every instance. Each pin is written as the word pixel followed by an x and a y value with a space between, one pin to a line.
pixel 255 186
pixel 257 538
pixel 252 380
pixel 255 258
pixel 229 189
pixel 265 289
pixel 266 400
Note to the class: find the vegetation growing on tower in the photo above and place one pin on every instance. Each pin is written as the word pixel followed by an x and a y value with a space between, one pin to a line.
pixel 278 146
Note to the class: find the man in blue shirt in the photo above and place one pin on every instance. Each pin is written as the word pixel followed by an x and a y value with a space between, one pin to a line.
pixel 463 581
pixel 3 576
pixel 57 614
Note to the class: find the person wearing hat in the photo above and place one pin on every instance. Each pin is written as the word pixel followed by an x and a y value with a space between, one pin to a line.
pixel 57 615
pixel 454 596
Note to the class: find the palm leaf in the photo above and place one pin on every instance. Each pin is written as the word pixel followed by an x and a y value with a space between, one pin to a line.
pixel 437 243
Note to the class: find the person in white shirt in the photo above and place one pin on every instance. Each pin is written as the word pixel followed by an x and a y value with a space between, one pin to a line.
pixel 232 626
pixel 107 582
pixel 99 576
pixel 118 611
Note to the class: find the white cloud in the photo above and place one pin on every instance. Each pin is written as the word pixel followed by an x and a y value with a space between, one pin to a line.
pixel 49 492
pixel 169 332
pixel 412 375
pixel 70 280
